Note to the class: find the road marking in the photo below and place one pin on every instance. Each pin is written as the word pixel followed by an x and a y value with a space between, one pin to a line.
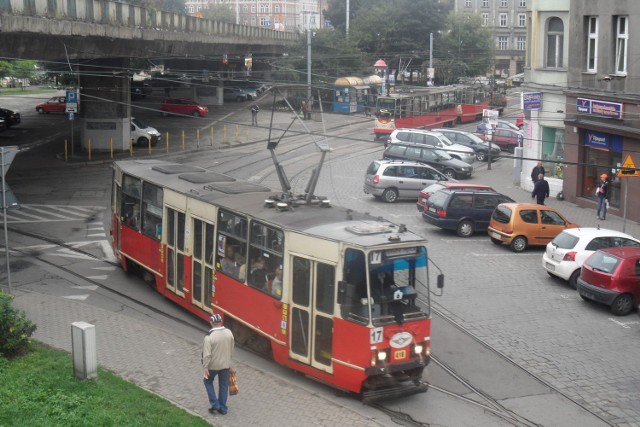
pixel 70 253
pixel 624 324
pixel 76 297
pixel 51 213
pixel 101 277
pixel 87 287
pixel 506 254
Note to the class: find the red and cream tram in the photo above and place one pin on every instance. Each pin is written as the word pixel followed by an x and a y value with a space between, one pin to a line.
pixel 339 296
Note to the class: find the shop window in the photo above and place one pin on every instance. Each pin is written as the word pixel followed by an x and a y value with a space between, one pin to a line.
pixel 604 158
pixel 553 152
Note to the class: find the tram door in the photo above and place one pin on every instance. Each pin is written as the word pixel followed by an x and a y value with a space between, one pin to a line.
pixel 175 251
pixel 312 305
pixel 202 267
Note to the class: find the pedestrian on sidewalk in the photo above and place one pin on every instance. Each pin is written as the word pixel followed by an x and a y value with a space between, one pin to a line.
pixel 217 351
pixel 540 190
pixel 603 196
pixel 254 114
pixel 537 170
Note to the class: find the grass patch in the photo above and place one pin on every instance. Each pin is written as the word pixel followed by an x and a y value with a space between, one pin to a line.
pixel 26 91
pixel 40 389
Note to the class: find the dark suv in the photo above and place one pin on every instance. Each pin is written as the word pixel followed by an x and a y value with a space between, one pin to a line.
pixel 465 211
pixel 438 159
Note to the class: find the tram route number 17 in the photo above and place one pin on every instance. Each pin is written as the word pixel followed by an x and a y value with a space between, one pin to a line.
pixel 376 335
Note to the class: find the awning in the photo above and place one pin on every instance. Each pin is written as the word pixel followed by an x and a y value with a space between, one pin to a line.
pixel 618 128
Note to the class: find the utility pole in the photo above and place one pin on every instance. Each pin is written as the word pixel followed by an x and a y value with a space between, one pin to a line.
pixel 347 20
pixel 308 62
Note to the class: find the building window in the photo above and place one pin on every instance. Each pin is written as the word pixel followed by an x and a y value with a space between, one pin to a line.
pixel 523 3
pixel 592 43
pixel 191 9
pixel 253 8
pixel 522 20
pixel 622 37
pixel 485 3
pixel 521 42
pixel 503 19
pixel 503 3
pixel 555 43
pixel 276 8
pixel 485 19
pixel 245 9
pixel 264 8
pixel 503 42
pixel 467 3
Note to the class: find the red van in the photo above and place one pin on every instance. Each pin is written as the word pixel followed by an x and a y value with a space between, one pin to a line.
pixel 612 276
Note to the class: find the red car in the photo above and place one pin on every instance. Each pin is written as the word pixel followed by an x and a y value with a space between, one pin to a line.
pixel 183 106
pixel 454 185
pixel 612 276
pixel 57 104
pixel 506 139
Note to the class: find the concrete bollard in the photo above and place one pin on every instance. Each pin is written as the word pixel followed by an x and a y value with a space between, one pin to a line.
pixel 83 350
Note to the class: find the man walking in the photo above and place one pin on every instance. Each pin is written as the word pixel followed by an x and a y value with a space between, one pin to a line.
pixel 537 170
pixel 540 190
pixel 254 114
pixel 216 360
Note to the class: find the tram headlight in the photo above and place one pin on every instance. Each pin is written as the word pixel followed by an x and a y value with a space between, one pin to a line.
pixel 418 348
pixel 382 355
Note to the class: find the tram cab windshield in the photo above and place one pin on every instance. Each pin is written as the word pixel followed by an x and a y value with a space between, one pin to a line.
pixel 382 286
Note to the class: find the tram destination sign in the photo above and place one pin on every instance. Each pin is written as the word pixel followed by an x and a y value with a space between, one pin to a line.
pixel 594 107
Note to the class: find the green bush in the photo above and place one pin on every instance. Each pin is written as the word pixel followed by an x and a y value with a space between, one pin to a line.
pixel 15 328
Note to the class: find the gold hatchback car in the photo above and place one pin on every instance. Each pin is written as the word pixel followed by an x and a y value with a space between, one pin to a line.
pixel 526 224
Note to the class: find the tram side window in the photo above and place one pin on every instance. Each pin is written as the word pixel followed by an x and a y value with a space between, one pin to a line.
pixel 355 285
pixel 266 259
pixel 152 211
pixel 231 256
pixel 130 203
pixel 325 287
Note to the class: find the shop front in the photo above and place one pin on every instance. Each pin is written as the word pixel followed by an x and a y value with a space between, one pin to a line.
pixel 597 141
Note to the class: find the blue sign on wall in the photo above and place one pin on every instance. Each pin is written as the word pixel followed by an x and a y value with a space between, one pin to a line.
pixel 599 108
pixel 531 100
pixel 603 141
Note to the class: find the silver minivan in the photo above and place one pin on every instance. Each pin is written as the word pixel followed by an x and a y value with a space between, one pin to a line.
pixel 391 180
pixel 434 139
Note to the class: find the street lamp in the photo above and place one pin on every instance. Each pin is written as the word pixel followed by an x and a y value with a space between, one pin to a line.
pixel 381 70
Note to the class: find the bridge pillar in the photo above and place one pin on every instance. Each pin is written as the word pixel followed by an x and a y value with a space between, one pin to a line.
pixel 105 105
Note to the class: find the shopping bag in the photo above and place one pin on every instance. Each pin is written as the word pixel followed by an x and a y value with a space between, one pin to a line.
pixel 233 382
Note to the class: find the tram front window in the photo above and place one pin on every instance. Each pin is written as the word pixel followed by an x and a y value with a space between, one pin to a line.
pixel 395 276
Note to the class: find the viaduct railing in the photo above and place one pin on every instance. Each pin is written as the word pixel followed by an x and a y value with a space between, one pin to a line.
pixel 122 14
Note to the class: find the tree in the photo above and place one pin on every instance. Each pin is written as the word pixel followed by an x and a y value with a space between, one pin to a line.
pixel 332 56
pixel 465 48
pixel 391 30
pixel 220 12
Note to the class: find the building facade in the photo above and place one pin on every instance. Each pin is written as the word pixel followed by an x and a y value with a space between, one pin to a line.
pixel 602 124
pixel 281 15
pixel 507 21
pixel 545 82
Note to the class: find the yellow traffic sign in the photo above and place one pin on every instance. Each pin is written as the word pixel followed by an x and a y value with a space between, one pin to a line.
pixel 628 168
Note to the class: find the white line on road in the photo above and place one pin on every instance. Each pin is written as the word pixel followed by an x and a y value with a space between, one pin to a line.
pixel 77 297
pixel 506 254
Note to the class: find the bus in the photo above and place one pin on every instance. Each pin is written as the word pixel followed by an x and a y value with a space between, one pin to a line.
pixel 433 107
pixel 339 296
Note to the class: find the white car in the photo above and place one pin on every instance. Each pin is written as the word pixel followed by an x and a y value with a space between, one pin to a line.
pixel 141 134
pixel 566 253
pixel 434 139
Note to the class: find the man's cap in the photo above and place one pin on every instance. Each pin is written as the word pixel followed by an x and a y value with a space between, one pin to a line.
pixel 216 318
pixel 604 176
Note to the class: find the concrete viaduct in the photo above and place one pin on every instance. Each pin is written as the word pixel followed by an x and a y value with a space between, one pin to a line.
pixel 86 35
